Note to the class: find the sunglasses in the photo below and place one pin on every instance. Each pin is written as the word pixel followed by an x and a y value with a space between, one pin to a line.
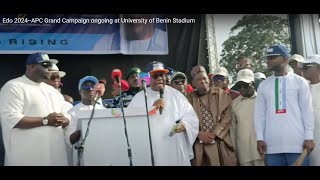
pixel 219 78
pixel 155 76
pixel 87 88
pixel 177 82
pixel 243 85
pixel 46 64
pixel 54 77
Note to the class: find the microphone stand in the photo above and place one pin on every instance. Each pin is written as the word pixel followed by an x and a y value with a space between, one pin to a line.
pixel 125 124
pixel 80 148
pixel 147 111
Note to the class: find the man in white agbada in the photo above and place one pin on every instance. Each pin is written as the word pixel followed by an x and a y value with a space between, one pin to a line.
pixel 311 71
pixel 177 149
pixel 86 90
pixel 33 117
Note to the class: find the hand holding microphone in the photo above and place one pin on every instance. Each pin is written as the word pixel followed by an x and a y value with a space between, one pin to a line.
pixel 159 104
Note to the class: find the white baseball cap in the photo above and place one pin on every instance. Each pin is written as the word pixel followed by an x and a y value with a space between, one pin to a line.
pixel 260 75
pixel 315 58
pixel 55 68
pixel 296 57
pixel 245 75
pixel 221 71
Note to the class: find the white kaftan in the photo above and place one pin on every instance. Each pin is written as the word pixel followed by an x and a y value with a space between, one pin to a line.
pixel 40 146
pixel 176 150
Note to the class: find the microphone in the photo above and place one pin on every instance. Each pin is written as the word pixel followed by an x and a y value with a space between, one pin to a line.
pixel 116 75
pixel 189 88
pixel 161 97
pixel 144 80
pixel 124 85
pixel 99 90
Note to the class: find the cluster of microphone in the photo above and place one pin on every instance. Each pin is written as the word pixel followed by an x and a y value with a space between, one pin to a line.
pixel 116 75
pixel 143 81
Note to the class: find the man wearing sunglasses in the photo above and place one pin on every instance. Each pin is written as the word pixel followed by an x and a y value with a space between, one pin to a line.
pixel 220 79
pixel 179 82
pixel 242 127
pixel 168 150
pixel 246 63
pixel 283 119
pixel 55 81
pixel 33 117
pixel 88 97
pixel 311 71
pixel 213 146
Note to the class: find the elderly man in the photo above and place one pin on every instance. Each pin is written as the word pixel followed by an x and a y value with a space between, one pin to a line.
pixel 293 62
pixel 213 146
pixel 173 108
pixel 33 117
pixel 283 119
pixel 55 81
pixel 179 82
pixel 220 79
pixel 242 129
pixel 311 71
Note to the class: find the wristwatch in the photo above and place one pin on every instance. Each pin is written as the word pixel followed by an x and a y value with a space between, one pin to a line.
pixel 45 121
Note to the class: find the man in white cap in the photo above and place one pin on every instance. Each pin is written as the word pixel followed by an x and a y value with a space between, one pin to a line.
pixel 311 71
pixel 33 117
pixel 242 127
pixel 293 62
pixel 283 117
pixel 220 79
pixel 55 81
pixel 246 63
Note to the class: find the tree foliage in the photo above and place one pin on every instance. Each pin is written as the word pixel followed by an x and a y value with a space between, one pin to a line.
pixel 256 33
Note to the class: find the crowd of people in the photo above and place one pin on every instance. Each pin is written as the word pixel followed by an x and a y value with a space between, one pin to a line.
pixel 259 121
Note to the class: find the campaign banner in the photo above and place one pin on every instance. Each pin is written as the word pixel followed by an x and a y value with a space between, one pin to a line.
pixel 83 34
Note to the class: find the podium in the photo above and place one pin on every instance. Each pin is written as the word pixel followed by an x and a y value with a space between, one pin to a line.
pixel 106 144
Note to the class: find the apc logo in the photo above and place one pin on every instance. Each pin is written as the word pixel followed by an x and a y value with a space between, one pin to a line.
pixel 115 113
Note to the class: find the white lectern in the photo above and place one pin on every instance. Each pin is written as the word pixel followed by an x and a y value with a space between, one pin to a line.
pixel 106 143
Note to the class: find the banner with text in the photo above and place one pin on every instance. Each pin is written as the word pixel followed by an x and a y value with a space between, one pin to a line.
pixel 83 34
